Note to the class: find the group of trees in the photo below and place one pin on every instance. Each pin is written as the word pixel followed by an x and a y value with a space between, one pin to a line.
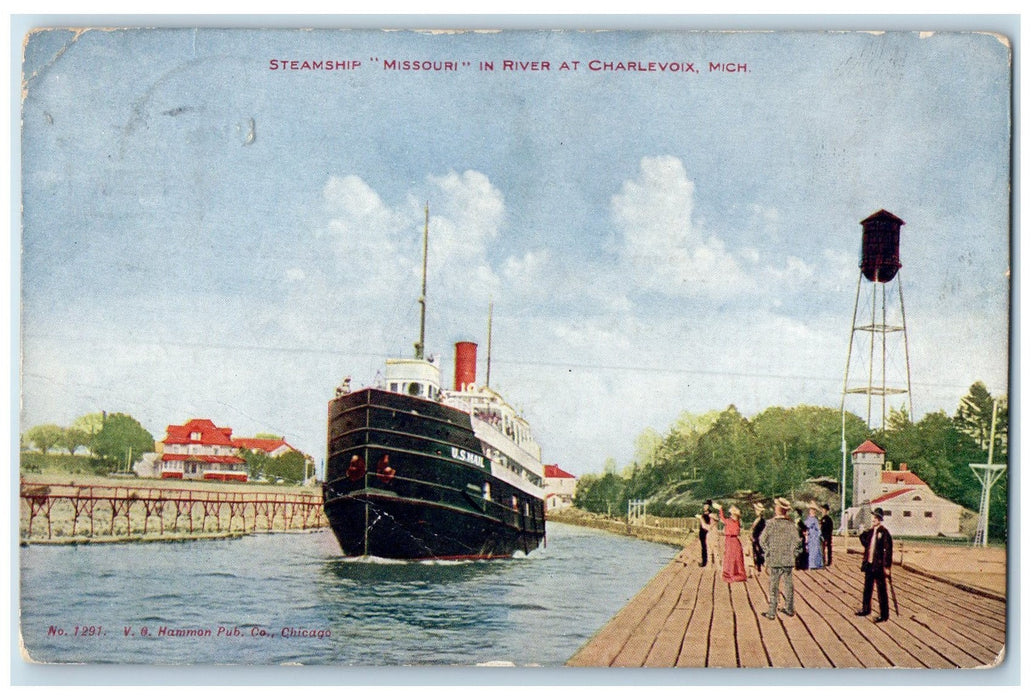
pixel 110 439
pixel 720 453
pixel 289 466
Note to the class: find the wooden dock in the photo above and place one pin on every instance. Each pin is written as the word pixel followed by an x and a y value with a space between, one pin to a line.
pixel 688 617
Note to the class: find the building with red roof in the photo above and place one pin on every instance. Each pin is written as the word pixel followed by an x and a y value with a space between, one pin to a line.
pixel 559 487
pixel 910 507
pixel 199 449
pixel 273 447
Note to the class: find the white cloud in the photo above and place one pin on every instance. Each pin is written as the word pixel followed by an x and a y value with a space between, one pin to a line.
pixel 660 239
pixel 358 218
pixel 470 212
pixel 525 272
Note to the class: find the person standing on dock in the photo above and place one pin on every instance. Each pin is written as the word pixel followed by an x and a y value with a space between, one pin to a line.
pixel 733 553
pixel 778 542
pixel 704 523
pixel 801 552
pixel 814 539
pixel 877 546
pixel 827 534
pixel 758 525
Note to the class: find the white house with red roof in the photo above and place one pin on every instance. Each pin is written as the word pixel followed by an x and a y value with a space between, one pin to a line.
pixel 199 449
pixel 559 485
pixel 910 507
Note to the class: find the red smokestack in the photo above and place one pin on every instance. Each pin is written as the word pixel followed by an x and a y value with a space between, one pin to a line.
pixel 465 364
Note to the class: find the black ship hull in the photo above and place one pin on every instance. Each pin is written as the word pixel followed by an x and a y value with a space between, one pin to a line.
pixel 406 478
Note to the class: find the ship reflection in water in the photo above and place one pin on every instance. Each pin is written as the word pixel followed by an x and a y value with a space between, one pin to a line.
pixel 528 610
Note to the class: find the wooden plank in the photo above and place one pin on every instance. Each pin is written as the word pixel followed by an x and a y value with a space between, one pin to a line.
pixel 916 589
pixel 986 610
pixel 840 619
pixel 778 649
pixel 849 628
pixel 811 611
pixel 943 633
pixel 670 638
pixel 750 650
pixel 810 655
pixel 635 651
pixel 601 649
pixel 949 606
pixel 722 647
pixel 694 650
pixel 872 635
pixel 937 654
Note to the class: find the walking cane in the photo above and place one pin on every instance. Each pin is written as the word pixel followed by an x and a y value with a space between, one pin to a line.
pixel 894 600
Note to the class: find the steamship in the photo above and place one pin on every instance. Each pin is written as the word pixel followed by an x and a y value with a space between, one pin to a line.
pixel 417 471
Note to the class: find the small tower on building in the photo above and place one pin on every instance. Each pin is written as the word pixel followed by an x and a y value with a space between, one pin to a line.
pixel 867 466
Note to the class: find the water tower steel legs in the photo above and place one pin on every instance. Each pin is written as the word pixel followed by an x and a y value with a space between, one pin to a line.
pixel 878 386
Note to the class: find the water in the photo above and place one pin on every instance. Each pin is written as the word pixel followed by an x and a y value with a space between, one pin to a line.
pixel 533 610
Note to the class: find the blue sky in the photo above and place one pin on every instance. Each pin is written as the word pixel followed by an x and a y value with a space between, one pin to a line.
pixel 206 237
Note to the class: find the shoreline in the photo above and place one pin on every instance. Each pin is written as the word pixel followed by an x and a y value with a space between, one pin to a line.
pixel 673 536
pixel 164 539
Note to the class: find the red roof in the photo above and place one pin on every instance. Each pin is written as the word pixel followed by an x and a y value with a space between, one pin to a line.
pixel 551 471
pixel 902 477
pixel 868 447
pixel 208 459
pixel 210 434
pixel 263 444
pixel 888 496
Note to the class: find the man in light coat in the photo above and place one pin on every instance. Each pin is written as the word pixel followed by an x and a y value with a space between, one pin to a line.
pixel 778 541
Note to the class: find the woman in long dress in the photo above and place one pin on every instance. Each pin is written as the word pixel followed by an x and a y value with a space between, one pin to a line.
pixel 758 525
pixel 733 554
pixel 813 539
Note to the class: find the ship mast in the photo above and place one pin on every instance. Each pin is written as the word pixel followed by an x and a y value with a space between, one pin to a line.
pixel 490 319
pixel 422 298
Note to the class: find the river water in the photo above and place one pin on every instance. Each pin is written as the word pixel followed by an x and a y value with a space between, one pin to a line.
pixel 292 598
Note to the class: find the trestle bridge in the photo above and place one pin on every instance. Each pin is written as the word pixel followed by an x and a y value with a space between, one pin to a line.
pixel 67 511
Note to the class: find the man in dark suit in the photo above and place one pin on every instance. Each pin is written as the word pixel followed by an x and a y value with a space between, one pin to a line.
pixel 704 523
pixel 876 567
pixel 827 533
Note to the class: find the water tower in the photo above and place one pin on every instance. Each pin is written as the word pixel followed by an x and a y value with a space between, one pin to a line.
pixel 878 348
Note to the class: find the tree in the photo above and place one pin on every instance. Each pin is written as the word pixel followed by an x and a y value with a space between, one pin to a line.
pixel 90 424
pixel 727 453
pixel 601 494
pixel 72 439
pixel 257 462
pixel 974 415
pixel 120 435
pixel 288 466
pixel 898 418
pixel 45 437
